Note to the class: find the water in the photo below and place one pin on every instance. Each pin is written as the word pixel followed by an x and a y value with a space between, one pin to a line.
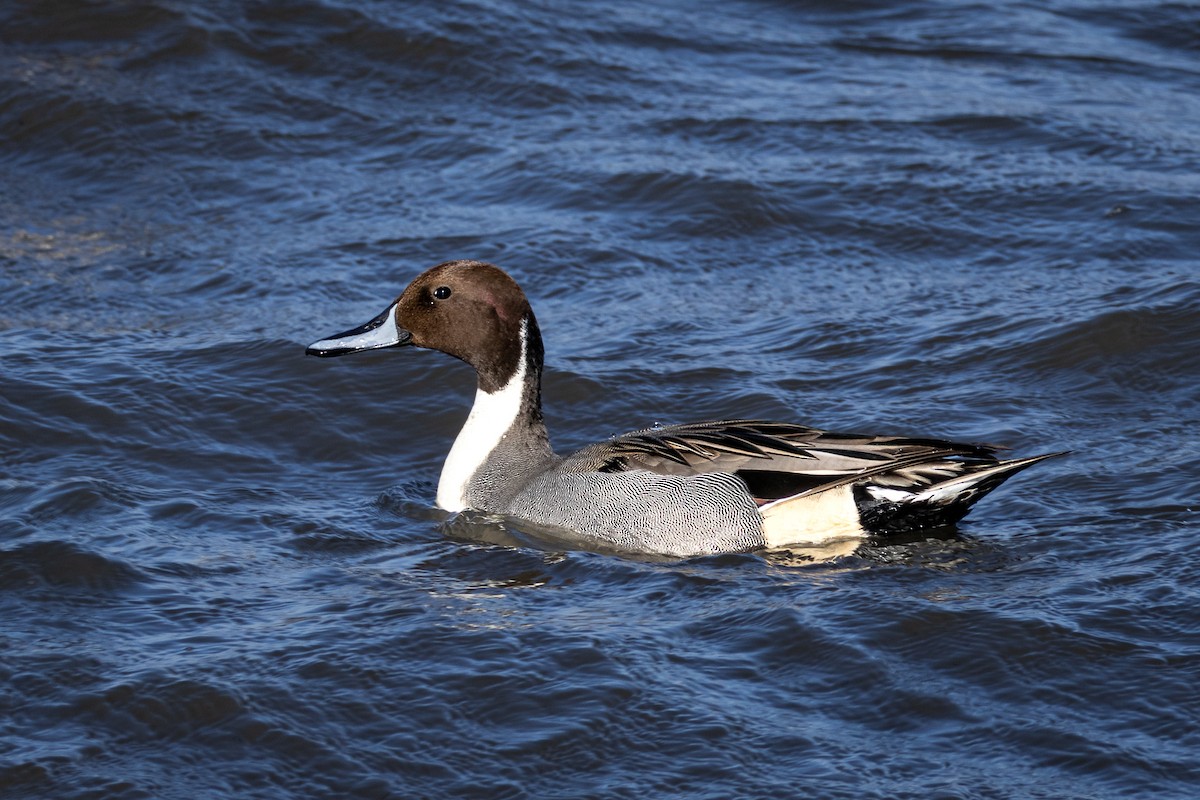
pixel 221 574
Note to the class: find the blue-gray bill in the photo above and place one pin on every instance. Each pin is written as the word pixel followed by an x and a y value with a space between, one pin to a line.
pixel 380 332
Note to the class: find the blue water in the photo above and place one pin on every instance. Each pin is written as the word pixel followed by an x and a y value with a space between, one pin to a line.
pixel 221 572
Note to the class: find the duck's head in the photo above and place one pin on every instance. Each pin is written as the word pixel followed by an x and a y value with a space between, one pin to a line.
pixel 469 309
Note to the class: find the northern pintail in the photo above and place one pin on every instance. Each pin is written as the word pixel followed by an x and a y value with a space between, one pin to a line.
pixel 680 490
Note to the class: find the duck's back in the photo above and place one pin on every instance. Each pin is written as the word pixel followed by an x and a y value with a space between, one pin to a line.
pixel 732 485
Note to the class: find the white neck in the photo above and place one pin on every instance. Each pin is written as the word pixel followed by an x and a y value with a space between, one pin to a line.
pixel 491 418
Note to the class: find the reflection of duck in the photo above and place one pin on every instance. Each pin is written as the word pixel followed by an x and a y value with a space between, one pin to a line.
pixel 705 487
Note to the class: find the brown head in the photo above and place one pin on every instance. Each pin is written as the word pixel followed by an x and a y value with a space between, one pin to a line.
pixel 469 309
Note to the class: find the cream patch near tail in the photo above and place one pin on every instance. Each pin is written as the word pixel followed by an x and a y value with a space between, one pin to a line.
pixel 812 518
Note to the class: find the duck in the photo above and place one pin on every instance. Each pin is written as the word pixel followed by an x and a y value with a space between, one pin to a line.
pixel 681 490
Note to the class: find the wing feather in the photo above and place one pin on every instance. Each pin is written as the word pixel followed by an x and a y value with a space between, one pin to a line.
pixel 776 459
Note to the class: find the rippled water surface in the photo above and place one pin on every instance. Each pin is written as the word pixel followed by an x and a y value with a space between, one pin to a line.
pixel 221 574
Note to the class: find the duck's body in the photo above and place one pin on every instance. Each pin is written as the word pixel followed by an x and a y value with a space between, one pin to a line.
pixel 706 487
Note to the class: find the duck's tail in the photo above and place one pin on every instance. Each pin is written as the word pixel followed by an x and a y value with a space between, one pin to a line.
pixel 890 510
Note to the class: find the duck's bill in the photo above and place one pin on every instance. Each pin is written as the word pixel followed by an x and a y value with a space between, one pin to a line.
pixel 378 333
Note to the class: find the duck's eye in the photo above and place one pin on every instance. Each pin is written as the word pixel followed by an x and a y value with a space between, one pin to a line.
pixel 441 292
